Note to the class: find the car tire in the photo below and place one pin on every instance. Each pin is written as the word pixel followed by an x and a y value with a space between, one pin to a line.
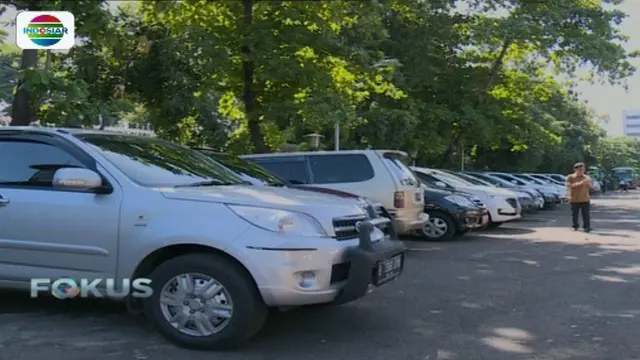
pixel 441 221
pixel 247 313
pixel 493 224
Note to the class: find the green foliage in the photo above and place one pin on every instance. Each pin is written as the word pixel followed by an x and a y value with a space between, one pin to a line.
pixel 431 77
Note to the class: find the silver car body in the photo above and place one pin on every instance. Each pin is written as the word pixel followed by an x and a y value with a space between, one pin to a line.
pixel 55 233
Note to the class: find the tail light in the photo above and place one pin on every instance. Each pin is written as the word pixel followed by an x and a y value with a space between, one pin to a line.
pixel 398 199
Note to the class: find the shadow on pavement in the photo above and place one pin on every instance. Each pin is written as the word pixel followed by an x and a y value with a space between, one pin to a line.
pixel 520 292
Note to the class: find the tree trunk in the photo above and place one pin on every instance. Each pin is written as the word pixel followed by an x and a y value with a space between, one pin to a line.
pixel 249 94
pixel 493 74
pixel 22 113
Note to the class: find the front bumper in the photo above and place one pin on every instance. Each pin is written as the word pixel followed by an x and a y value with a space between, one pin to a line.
pixel 320 270
pixel 406 224
pixel 472 219
pixel 527 204
pixel 503 211
pixel 551 200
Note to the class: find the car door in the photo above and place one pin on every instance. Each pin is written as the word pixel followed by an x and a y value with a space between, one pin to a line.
pixel 47 232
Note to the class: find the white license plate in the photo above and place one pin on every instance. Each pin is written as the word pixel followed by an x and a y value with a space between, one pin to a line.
pixel 485 219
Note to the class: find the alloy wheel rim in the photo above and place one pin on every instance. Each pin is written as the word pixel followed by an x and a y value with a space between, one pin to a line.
pixel 196 304
pixel 435 227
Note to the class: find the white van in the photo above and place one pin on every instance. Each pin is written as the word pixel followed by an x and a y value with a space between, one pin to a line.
pixel 379 175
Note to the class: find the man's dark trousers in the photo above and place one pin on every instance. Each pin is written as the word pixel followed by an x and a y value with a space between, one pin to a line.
pixel 585 209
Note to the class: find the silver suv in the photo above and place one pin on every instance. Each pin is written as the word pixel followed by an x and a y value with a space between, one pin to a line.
pixel 88 204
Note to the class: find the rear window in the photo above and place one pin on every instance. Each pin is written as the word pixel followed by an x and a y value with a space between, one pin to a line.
pixel 293 171
pixel 397 166
pixel 340 168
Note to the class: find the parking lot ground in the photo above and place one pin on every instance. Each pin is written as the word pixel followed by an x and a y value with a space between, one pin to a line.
pixel 534 289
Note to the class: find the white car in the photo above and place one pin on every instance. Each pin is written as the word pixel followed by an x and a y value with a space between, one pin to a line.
pixel 503 205
pixel 378 175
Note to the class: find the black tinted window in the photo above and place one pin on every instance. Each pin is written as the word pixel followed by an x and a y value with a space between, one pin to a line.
pixel 31 163
pixel 294 171
pixel 427 179
pixel 342 168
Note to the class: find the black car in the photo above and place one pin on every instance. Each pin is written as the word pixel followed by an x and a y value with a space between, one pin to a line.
pixel 450 213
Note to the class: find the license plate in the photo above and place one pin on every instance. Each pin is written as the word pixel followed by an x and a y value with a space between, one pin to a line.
pixel 485 219
pixel 388 269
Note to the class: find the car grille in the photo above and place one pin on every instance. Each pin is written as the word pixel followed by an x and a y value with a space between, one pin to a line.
pixel 345 228
pixel 513 202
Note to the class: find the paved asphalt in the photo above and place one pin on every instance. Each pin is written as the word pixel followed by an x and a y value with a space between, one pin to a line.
pixel 532 290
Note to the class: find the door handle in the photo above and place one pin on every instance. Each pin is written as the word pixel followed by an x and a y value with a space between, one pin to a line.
pixel 3 201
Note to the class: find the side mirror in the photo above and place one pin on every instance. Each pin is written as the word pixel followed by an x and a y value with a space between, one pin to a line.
pixel 76 179
pixel 440 184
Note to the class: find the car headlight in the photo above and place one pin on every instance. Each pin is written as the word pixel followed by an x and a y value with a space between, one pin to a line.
pixel 474 198
pixel 460 200
pixel 277 220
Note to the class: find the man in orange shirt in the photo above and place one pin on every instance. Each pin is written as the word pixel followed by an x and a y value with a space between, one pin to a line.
pixel 579 185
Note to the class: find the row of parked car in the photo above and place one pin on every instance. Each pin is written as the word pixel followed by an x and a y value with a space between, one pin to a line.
pixel 223 238
pixel 455 202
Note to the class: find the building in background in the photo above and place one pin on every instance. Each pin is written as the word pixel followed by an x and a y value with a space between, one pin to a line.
pixel 631 122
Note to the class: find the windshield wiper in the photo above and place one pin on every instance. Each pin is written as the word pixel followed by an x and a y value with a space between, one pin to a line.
pixel 212 182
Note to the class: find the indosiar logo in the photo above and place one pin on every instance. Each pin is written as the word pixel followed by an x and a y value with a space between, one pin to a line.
pixel 53 30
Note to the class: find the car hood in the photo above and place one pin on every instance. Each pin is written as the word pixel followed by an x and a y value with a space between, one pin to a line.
pixel 433 192
pixel 323 207
pixel 543 188
pixel 488 189
pixel 335 192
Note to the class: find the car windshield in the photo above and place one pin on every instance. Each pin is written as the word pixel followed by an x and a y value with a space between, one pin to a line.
pixel 153 162
pixel 495 180
pixel 474 180
pixel 246 169
pixel 453 180
pixel 512 179
pixel 531 179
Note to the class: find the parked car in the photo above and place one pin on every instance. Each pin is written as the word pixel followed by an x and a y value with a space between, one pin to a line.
pixel 451 212
pixel 550 179
pixel 379 175
pixel 527 201
pixel 558 177
pixel 498 182
pixel 551 195
pixel 503 205
pixel 259 176
pixel 218 252
pixel 559 190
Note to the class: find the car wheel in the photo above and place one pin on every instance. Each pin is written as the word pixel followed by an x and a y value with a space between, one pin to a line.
pixel 204 301
pixel 439 227
pixel 495 224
